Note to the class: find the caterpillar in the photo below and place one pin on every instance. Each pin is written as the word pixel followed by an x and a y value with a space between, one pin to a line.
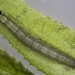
pixel 36 44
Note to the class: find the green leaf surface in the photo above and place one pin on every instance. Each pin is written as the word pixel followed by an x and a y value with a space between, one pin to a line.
pixel 9 66
pixel 41 27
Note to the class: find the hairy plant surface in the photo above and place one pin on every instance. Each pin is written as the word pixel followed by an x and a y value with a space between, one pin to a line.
pixel 44 28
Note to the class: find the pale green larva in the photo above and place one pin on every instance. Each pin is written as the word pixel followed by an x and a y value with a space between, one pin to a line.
pixel 36 44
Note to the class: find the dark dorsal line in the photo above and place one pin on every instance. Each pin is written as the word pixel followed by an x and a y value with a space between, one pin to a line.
pixel 36 44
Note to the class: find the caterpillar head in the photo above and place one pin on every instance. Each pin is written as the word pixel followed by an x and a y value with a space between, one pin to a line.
pixel 0 12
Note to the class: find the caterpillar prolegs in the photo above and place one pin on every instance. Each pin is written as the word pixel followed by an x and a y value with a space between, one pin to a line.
pixel 36 44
